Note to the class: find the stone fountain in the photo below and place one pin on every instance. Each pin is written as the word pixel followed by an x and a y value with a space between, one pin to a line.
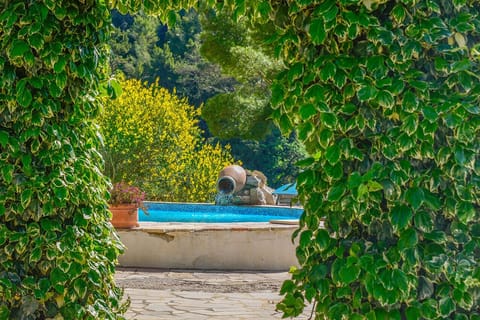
pixel 238 186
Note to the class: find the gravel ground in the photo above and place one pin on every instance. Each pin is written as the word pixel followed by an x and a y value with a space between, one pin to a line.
pixel 205 281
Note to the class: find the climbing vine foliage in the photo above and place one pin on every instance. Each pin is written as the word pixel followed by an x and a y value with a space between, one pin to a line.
pixel 386 97
pixel 57 250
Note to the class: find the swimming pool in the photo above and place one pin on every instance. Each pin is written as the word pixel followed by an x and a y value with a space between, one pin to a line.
pixel 209 213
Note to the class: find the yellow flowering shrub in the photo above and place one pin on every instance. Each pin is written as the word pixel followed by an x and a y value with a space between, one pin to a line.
pixel 152 140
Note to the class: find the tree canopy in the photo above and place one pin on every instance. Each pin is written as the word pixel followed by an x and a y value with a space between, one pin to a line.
pixel 145 48
pixel 152 140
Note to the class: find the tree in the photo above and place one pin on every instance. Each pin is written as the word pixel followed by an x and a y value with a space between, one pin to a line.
pixel 152 140
pixel 242 117
pixel 238 47
pixel 238 114
pixel 145 48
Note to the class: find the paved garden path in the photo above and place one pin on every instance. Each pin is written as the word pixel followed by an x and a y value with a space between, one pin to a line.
pixel 166 294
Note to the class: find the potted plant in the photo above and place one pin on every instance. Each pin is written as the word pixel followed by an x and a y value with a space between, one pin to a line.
pixel 124 203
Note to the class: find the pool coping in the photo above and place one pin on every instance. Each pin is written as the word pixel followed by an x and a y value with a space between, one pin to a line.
pixel 164 227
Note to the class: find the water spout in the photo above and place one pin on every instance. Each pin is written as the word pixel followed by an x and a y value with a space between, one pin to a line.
pixel 223 199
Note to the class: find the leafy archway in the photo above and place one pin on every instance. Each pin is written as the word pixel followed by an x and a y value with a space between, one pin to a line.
pixel 385 95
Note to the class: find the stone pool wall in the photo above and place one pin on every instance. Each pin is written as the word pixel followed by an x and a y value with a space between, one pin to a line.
pixel 226 246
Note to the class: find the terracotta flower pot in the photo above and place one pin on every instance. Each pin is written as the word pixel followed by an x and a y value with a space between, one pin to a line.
pixel 124 216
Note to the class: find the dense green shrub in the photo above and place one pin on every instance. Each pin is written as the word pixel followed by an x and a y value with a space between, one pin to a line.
pixel 385 95
pixel 152 140
pixel 57 249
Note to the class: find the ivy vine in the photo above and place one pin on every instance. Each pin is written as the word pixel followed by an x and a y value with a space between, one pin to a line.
pixel 386 97
pixel 57 248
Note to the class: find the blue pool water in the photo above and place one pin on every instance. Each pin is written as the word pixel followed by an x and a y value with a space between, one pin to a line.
pixel 188 212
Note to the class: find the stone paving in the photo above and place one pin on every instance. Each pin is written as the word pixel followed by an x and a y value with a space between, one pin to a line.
pixel 166 294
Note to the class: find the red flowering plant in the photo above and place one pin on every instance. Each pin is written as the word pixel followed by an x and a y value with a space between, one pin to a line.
pixel 123 193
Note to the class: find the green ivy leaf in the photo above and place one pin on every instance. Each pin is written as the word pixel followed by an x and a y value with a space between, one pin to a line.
pixel 322 239
pixel 328 119
pixel 367 93
pixel 43 285
pixel 305 162
pixel 354 180
pixel 334 172
pixel 18 48
pixel 264 8
pixel 325 137
pixel 295 72
pixel 408 239
pixel 57 276
pixel 285 123
pixel 7 173
pixel 36 82
pixel 462 65
pixel 435 236
pixel 465 211
pixel 423 221
pixel 172 18
pixel 447 306
pixel 24 96
pixel 4 312
pixel 306 238
pixel 401 216
pixel 328 71
pixel 80 287
pixel 413 313
pixel 305 130
pixel 316 93
pixel 336 193
pixel 287 286
pixel 317 31
pixel 349 108
pixel 54 90
pixel 374 186
pixel 277 94
pixel 362 191
pixel 409 102
pixel 35 255
pixel 430 113
pixel 385 99
pixel 415 196
pixel 332 154
pixel 60 64
pixel 348 274
pixel 4 138
pixel 410 124
pixel 36 41
pixel 26 197
pixel 429 309
pixel 307 110
pixel 400 280
pixel 472 108
pixel 340 79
